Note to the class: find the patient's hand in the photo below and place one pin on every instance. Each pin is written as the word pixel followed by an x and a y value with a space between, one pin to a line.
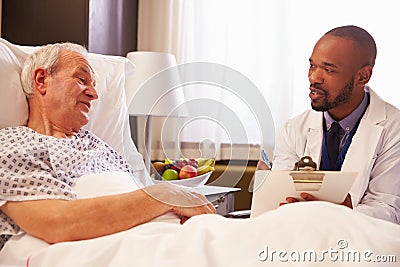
pixel 309 197
pixel 183 201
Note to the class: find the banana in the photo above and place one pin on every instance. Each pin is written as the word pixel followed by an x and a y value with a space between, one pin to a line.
pixel 205 165
pixel 205 162
pixel 204 169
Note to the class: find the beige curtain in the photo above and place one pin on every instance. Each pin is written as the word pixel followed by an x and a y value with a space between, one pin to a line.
pixel 267 41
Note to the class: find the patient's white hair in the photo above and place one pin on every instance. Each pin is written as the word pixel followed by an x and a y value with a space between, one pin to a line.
pixel 47 58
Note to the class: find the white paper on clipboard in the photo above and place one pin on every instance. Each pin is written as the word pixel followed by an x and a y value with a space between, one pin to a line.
pixel 272 187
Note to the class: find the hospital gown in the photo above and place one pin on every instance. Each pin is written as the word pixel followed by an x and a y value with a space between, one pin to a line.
pixel 35 166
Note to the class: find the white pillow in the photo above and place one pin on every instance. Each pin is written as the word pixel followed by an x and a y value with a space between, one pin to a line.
pixel 13 105
pixel 108 117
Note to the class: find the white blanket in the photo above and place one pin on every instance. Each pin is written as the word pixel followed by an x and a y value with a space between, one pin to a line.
pixel 298 234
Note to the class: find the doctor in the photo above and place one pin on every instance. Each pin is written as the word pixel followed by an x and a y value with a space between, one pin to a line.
pixel 369 141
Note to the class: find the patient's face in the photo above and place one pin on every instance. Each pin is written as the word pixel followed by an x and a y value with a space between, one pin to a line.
pixel 69 92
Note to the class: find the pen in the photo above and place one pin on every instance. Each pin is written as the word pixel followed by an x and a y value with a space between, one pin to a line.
pixel 264 158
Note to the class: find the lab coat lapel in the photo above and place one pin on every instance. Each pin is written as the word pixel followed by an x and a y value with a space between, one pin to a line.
pixel 314 137
pixel 361 153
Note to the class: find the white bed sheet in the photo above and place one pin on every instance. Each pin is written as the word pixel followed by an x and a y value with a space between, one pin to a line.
pixel 211 240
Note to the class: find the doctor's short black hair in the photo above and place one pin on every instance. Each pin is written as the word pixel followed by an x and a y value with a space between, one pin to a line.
pixel 361 38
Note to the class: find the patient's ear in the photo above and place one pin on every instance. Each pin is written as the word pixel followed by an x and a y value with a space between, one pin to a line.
pixel 39 80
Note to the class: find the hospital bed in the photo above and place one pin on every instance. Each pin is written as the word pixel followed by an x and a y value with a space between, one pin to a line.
pixel 300 234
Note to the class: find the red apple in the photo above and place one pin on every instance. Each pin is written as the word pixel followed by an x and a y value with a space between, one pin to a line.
pixel 187 171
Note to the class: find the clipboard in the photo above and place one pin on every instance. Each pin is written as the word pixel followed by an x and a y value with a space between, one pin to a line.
pixel 272 187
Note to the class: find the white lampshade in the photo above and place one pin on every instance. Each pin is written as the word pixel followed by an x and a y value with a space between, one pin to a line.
pixel 155 85
pixel 156 92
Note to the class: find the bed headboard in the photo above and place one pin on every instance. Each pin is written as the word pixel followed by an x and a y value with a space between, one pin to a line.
pixel 108 117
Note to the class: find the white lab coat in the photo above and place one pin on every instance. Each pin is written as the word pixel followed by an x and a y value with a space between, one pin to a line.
pixel 374 153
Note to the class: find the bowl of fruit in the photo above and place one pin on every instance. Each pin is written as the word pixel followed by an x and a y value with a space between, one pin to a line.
pixel 188 172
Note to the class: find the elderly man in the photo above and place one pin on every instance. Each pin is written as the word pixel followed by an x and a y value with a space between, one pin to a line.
pixel 46 158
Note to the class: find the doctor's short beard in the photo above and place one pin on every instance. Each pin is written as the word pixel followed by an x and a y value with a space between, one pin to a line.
pixel 343 97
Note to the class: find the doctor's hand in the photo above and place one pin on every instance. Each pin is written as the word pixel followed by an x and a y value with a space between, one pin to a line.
pixel 262 165
pixel 309 197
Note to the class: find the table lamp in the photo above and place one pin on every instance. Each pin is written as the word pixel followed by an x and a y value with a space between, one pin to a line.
pixel 155 86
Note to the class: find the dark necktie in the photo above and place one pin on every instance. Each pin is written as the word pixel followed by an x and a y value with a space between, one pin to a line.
pixel 332 143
